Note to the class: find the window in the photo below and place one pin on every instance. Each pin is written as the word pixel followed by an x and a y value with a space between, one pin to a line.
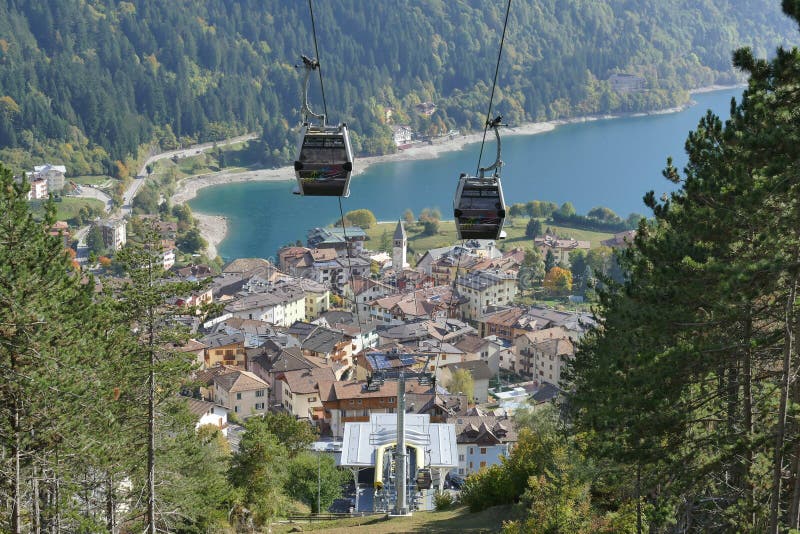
pixel 483 464
pixel 238 396
pixel 352 401
pixel 236 409
pixel 471 451
pixel 260 393
pixel 391 400
pixel 259 406
pixel 470 465
pixel 360 401
pixel 312 399
pixel 228 353
pixel 461 458
pixel 483 450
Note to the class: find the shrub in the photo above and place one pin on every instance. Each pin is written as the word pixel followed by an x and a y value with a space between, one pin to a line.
pixel 443 500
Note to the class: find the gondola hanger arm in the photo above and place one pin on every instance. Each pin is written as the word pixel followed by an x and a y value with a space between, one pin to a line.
pixel 310 65
pixel 494 124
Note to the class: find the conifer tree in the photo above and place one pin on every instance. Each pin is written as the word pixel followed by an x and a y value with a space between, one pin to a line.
pixel 48 346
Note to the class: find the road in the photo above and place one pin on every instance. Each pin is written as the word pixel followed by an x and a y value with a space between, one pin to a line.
pixel 88 191
pixel 82 248
pixel 138 182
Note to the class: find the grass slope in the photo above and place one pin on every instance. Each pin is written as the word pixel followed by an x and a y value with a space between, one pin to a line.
pixel 514 227
pixel 454 520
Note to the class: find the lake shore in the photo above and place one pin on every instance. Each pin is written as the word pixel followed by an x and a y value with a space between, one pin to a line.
pixel 214 228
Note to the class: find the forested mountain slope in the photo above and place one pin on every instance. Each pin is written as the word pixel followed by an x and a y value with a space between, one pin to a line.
pixel 90 81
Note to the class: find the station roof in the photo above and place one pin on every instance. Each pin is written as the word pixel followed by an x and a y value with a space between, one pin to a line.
pixel 361 440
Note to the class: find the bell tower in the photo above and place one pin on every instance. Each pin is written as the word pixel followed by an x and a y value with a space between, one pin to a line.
pixel 399 245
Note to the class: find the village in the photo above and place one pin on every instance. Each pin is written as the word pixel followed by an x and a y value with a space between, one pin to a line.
pixel 309 333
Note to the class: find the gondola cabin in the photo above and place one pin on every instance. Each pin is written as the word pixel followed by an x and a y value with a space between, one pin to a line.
pixel 479 208
pixel 424 480
pixel 324 161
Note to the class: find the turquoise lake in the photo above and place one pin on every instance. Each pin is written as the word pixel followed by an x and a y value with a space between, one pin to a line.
pixel 609 162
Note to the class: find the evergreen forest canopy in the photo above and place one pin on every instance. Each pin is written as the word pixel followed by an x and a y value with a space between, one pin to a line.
pixel 87 83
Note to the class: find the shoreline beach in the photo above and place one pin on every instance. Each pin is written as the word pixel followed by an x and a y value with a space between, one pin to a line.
pixel 213 228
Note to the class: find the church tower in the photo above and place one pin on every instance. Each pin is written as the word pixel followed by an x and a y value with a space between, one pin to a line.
pixel 400 242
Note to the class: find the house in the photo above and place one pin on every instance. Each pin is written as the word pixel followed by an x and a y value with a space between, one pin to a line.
pixel 348 241
pixel 196 298
pixel 241 392
pixel 627 83
pixel 269 361
pixel 620 240
pixel 478 348
pixel 352 402
pixel 549 359
pixel 502 322
pixel 360 291
pixel 403 333
pixel 249 267
pixel 362 331
pixel 561 248
pixel 204 381
pixel 168 258
pixel 298 391
pixel 482 440
pixel 479 371
pixel 318 297
pixel 281 304
pixel 61 229
pixel 294 260
pixel 448 330
pixel 224 349
pixel 38 190
pixel 53 174
pixel 439 406
pixel 330 346
pixel 527 349
pixel 194 273
pixel 194 347
pixel 426 108
pixel 368 363
pixel 428 303
pixel 484 288
pixel 114 232
pixel 402 136
pixel 255 333
pixel 208 413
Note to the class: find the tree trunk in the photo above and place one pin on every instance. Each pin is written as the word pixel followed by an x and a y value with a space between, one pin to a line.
pixel 16 506
pixel 110 508
pixel 151 415
pixel 747 394
pixel 638 497
pixel 35 512
pixel 151 446
pixel 780 433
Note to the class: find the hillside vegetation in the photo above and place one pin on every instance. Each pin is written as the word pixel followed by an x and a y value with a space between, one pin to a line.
pixel 88 82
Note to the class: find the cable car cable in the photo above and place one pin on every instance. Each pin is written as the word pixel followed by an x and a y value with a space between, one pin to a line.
pixel 349 264
pixel 319 63
pixel 494 83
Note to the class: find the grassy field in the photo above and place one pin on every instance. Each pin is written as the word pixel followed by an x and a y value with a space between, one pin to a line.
pixel 68 208
pixel 514 227
pixel 455 520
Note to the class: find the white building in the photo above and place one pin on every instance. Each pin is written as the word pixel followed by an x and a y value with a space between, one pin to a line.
pixel 115 233
pixel 281 304
pixel 484 288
